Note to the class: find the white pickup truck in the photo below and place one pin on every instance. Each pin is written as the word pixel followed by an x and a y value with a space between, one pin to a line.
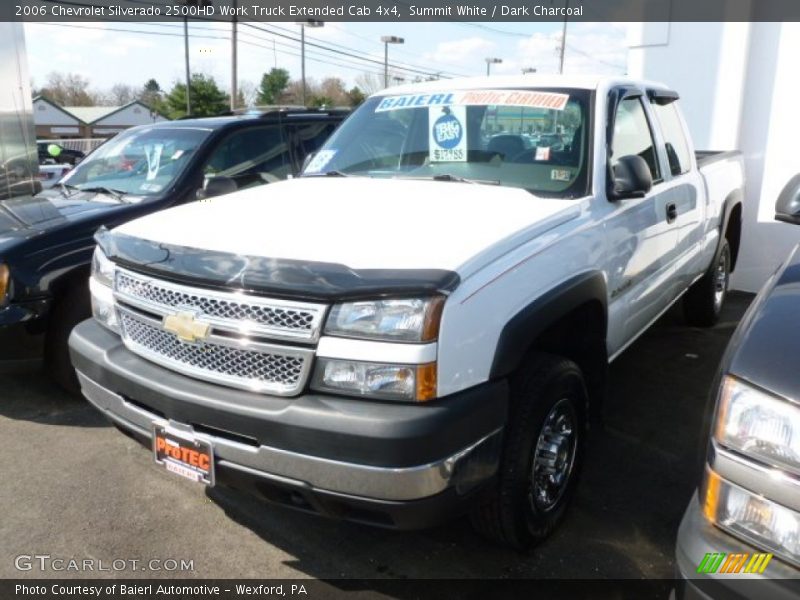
pixel 421 324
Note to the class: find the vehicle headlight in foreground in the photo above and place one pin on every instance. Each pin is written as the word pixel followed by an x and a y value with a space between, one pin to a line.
pixel 759 425
pixel 751 517
pixel 375 380
pixel 102 268
pixel 100 288
pixel 399 320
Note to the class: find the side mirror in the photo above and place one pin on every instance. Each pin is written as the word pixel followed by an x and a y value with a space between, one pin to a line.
pixel 307 160
pixel 632 178
pixel 787 208
pixel 216 186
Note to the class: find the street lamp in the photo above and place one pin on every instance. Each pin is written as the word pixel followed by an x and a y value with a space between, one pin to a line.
pixel 527 70
pixel 303 25
pixel 490 62
pixel 388 39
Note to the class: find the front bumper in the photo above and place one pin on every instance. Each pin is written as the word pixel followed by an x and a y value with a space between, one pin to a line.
pixel 22 330
pixel 696 537
pixel 390 464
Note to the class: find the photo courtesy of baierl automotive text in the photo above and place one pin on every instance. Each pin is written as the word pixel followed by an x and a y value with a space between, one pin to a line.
pixel 399 300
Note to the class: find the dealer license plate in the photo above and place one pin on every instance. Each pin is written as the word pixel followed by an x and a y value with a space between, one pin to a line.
pixel 182 453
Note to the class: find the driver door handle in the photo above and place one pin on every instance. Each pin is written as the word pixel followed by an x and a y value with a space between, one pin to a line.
pixel 672 212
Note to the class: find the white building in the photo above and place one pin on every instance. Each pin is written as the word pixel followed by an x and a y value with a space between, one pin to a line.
pixel 739 89
pixel 54 121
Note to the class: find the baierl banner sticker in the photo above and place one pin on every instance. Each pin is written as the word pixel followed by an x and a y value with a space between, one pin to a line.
pixel 522 98
pixel 448 133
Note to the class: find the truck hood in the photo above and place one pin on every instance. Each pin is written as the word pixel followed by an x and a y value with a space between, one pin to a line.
pixel 26 216
pixel 360 222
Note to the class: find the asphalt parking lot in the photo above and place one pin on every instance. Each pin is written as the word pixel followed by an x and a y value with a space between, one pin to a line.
pixel 74 487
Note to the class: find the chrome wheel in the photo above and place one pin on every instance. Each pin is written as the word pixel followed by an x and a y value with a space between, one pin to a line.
pixel 554 456
pixel 721 276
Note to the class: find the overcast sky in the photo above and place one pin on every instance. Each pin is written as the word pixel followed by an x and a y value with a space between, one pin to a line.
pixel 106 55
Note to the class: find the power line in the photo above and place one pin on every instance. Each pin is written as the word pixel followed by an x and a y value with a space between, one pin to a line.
pixel 346 50
pixel 394 66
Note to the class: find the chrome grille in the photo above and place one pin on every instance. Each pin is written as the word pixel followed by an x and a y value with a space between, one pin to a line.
pixel 235 362
pixel 225 311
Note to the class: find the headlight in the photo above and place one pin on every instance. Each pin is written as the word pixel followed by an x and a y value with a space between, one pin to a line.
pixel 376 380
pixel 5 276
pixel 102 268
pixel 754 518
pixel 759 425
pixel 403 320
pixel 103 305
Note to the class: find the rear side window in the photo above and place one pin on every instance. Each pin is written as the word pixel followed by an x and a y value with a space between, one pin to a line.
pixel 632 135
pixel 251 157
pixel 676 146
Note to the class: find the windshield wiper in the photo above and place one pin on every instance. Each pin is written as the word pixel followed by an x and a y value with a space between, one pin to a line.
pixel 64 187
pixel 101 189
pixel 457 179
pixel 334 173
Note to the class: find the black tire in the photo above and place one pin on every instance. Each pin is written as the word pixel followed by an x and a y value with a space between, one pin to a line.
pixel 71 308
pixel 512 513
pixel 703 302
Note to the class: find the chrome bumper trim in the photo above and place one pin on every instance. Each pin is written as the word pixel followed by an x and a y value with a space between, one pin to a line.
pixel 393 484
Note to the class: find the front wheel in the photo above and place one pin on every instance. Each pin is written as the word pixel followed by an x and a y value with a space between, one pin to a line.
pixel 703 302
pixel 542 454
pixel 72 308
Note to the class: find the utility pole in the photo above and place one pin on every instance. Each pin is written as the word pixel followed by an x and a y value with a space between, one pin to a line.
pixel 303 25
pixel 234 78
pixel 563 39
pixel 188 76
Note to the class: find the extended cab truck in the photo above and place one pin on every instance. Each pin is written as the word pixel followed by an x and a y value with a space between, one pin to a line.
pixel 421 324
pixel 744 522
pixel 46 240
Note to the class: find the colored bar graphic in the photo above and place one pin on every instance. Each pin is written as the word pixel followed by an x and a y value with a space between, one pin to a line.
pixel 722 562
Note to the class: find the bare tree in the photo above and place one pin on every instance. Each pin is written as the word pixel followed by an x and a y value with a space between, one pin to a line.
pixel 248 92
pixel 122 93
pixel 68 89
pixel 332 90
pixel 369 82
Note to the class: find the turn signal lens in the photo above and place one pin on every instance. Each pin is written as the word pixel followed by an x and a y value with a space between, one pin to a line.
pixel 4 278
pixel 426 382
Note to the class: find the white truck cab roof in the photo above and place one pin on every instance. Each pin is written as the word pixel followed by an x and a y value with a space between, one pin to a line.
pixel 586 82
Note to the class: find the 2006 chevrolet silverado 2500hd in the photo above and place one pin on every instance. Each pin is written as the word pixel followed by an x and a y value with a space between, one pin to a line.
pixel 421 324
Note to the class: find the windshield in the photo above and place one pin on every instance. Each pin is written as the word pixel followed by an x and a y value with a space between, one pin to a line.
pixel 532 139
pixel 139 162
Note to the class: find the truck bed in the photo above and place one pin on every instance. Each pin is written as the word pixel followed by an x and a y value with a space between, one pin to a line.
pixel 706 157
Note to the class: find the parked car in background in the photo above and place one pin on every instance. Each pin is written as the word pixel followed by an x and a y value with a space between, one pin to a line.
pixel 554 141
pixel 51 173
pixel 421 324
pixel 744 520
pixel 46 240
pixel 53 152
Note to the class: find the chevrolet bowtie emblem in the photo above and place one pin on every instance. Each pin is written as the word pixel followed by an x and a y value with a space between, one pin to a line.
pixel 186 327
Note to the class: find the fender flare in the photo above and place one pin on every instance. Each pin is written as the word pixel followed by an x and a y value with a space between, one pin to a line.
pixel 530 322
pixel 735 198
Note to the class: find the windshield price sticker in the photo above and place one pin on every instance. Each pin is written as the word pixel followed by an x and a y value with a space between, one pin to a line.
pixel 321 158
pixel 448 136
pixel 546 100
